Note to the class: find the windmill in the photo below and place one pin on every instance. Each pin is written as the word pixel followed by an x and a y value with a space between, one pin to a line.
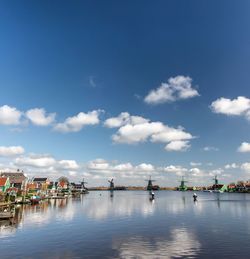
pixel 83 184
pixel 183 187
pixel 150 184
pixel 111 182
pixel 215 181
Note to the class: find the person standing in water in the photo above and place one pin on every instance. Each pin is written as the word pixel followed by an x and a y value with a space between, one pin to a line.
pixel 195 196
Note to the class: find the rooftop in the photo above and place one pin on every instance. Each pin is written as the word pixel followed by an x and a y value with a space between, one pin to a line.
pixel 3 181
pixel 40 179
pixel 16 177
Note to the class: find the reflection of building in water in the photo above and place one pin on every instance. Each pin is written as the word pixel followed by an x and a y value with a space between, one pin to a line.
pixel 104 206
pixel 62 203
pixel 111 194
pixel 8 227
pixel 179 243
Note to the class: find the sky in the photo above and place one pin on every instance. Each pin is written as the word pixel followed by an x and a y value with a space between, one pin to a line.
pixel 125 90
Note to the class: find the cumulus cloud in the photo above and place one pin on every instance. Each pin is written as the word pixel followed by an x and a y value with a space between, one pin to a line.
pixel 177 88
pixel 177 145
pixel 123 119
pixel 9 115
pixel 98 164
pixel 136 129
pixel 244 147
pixel 39 117
pixel 68 164
pixel 131 134
pixel 246 167
pixel 11 151
pixel 195 163
pixel 34 160
pixel 103 168
pixel 45 164
pixel 145 167
pixel 178 170
pixel 231 166
pixel 76 123
pixel 235 107
pixel 210 148
pixel 196 172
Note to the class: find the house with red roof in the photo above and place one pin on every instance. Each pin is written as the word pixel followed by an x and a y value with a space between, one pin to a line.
pixel 17 179
pixel 4 184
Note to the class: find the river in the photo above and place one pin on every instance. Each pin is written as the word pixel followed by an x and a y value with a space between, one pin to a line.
pixel 128 224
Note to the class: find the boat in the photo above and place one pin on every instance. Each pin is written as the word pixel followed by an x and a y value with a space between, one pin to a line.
pixel 7 213
pixel 35 199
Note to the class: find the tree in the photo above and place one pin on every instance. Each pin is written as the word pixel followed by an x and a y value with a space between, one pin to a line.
pixel 63 179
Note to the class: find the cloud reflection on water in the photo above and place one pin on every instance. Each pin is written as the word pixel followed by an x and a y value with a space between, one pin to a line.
pixel 181 243
pixel 106 205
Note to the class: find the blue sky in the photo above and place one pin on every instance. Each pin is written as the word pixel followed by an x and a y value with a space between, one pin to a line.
pixel 104 58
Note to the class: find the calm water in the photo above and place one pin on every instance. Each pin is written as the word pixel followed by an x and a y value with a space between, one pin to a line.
pixel 128 225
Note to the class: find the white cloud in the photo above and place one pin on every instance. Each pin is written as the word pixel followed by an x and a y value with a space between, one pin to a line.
pixel 178 170
pixel 246 167
pixel 237 107
pixel 210 148
pixel 217 171
pixel 177 145
pixel 76 123
pixel 68 164
pixel 145 167
pixel 116 122
pixel 231 166
pixel 72 173
pixel 35 161
pixel 11 151
pixel 92 81
pixel 123 119
pixel 196 172
pixel 195 163
pixel 171 134
pixel 244 147
pixel 98 164
pixel 136 129
pixel 177 88
pixel 9 115
pixel 121 167
pixel 39 117
pixel 130 134
pixel 102 168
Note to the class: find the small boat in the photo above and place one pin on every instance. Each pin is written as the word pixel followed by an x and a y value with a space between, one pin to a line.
pixel 35 199
pixel 7 213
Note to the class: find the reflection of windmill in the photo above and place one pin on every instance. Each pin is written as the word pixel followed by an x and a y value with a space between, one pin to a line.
pixel 83 184
pixel 111 186
pixel 183 187
pixel 150 184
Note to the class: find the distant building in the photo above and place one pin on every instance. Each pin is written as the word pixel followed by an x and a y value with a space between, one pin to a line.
pixel 17 179
pixel 41 183
pixel 62 185
pixel 4 184
pixel 31 187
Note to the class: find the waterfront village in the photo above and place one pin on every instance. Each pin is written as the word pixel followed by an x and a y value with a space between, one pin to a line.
pixel 15 187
